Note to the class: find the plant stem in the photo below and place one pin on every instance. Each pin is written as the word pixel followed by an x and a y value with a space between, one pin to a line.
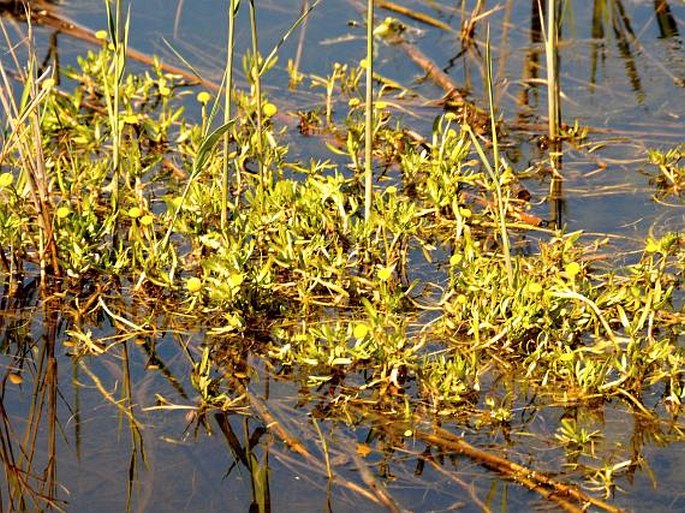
pixel 501 201
pixel 368 142
pixel 552 59
pixel 228 100
pixel 119 37
pixel 257 71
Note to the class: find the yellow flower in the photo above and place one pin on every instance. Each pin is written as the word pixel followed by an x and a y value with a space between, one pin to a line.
pixel 193 285
pixel 203 97
pixel 63 212
pixel 101 35
pixel 572 269
pixel 269 109
pixel 147 219
pixel 361 329
pixel 6 180
pixel 652 245
pixel 384 273
pixel 134 212
pixel 534 288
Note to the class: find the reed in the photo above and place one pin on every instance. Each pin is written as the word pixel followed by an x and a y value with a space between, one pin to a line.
pixel 25 138
pixel 297 60
pixel 550 24
pixel 551 31
pixel 368 108
pixel 497 175
pixel 118 36
pixel 228 102
pixel 257 78
pixel 494 170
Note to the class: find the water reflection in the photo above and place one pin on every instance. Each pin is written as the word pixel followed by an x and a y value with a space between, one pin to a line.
pixel 29 456
pixel 668 27
pixel 136 428
pixel 138 417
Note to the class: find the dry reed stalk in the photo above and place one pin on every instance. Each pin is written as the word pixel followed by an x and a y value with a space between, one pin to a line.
pixel 25 138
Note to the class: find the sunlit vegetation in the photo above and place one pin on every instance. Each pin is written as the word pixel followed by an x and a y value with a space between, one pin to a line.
pixel 437 297
pixel 671 176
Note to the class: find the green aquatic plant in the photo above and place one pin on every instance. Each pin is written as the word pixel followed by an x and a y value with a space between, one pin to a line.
pixel 671 177
pixel 437 297
pixel 23 143
pixel 118 38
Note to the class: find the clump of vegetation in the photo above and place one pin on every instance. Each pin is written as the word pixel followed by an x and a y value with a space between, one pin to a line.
pixel 410 298
pixel 671 177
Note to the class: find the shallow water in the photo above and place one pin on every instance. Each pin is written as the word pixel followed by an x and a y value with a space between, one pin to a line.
pixel 627 88
pixel 173 467
pixel 622 76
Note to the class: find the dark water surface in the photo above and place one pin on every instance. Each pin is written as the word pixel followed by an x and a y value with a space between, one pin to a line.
pixel 623 76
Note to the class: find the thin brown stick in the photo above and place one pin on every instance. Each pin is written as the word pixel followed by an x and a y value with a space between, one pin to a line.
pixel 564 504
pixel 49 18
pixel 378 490
pixel 560 493
pixel 432 71
pixel 531 479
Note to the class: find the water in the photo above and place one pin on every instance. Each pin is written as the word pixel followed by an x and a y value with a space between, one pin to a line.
pixel 626 84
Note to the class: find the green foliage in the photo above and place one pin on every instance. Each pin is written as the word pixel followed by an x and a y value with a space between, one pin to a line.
pixel 671 177
pixel 422 303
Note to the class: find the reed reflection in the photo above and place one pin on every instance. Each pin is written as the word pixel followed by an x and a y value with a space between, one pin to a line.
pixel 28 445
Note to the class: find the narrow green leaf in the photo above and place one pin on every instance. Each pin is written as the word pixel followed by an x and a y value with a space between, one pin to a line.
pixel 208 144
